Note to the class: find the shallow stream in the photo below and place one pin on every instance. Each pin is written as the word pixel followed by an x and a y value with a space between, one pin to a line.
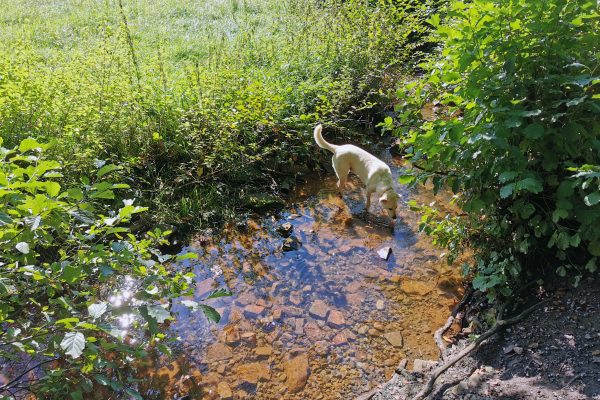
pixel 329 320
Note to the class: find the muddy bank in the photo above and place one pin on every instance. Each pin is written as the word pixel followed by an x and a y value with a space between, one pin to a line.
pixel 316 313
pixel 552 354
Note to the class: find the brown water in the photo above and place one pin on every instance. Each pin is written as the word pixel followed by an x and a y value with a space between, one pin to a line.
pixel 330 320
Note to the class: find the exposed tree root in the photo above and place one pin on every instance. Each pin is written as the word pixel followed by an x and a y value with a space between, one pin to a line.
pixel 499 325
pixel 437 336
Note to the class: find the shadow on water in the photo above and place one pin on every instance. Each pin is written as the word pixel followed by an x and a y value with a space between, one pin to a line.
pixel 327 320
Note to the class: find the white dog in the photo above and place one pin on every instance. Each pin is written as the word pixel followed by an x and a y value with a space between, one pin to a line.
pixel 373 172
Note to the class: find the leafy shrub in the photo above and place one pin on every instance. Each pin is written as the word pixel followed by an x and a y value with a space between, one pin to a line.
pixel 514 93
pixel 64 253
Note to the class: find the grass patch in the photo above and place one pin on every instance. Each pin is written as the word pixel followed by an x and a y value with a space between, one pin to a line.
pixel 193 98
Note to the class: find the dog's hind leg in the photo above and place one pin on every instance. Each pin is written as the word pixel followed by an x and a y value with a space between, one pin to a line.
pixel 341 170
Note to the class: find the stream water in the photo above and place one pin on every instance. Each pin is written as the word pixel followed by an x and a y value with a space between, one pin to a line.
pixel 328 320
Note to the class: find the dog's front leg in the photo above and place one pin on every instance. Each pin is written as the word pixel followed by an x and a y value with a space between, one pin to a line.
pixel 368 205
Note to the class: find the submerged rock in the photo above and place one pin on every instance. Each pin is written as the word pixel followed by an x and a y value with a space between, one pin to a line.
pixel 218 351
pixel 285 229
pixel 319 309
pixel 336 319
pixel 291 244
pixel 296 371
pixel 253 372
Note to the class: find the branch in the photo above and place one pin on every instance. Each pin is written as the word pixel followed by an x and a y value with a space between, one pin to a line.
pixel 499 325
pixel 445 173
pixel 7 386
pixel 437 336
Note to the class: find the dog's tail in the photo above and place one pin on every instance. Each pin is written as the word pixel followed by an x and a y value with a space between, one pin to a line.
pixel 321 142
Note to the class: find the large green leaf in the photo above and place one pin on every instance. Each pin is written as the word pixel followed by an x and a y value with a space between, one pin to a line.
pixel 73 344
pixel 97 310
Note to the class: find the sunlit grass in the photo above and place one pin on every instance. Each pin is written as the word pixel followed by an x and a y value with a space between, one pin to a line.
pixel 176 86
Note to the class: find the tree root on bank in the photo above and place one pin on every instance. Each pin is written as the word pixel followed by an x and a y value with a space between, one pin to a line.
pixel 437 336
pixel 499 325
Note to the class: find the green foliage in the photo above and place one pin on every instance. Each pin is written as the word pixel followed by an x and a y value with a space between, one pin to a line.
pixel 80 294
pixel 515 92
pixel 187 94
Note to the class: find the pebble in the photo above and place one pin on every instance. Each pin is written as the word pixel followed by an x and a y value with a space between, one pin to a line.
pixel 380 305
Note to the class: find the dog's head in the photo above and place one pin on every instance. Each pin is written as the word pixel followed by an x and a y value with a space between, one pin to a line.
pixel 389 202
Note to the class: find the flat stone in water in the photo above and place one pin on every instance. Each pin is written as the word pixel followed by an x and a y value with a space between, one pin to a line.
pixel 253 372
pixel 336 319
pixel 218 351
pixel 319 309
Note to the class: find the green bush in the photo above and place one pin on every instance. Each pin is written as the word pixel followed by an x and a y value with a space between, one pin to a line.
pixel 80 294
pixel 516 134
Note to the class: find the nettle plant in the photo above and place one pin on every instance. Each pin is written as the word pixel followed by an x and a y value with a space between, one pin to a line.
pixel 514 129
pixel 81 297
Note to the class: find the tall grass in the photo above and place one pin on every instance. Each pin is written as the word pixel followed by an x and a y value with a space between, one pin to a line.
pixel 193 96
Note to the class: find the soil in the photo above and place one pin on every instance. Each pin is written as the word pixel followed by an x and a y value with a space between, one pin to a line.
pixel 552 354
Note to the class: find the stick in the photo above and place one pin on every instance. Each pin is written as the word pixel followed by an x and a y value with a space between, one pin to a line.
pixel 499 325
pixel 437 336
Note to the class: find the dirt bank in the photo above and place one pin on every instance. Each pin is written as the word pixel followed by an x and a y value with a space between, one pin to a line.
pixel 552 354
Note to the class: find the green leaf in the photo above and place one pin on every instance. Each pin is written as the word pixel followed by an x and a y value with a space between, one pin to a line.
pixel 210 313
pixel 29 144
pixel 77 395
pixel 97 310
pixel 592 199
pixel 159 313
pixel 52 188
pixel 506 190
pixel 561 271
pixel 75 193
pixel 507 176
pixel 106 169
pixel 406 179
pixel 591 265
pixel 559 214
pixel 187 256
pixel 73 344
pixel 23 247
pixel 220 292
pixel 534 131
pixel 530 184
pixel 135 395
pixel 71 274
pixel 101 379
